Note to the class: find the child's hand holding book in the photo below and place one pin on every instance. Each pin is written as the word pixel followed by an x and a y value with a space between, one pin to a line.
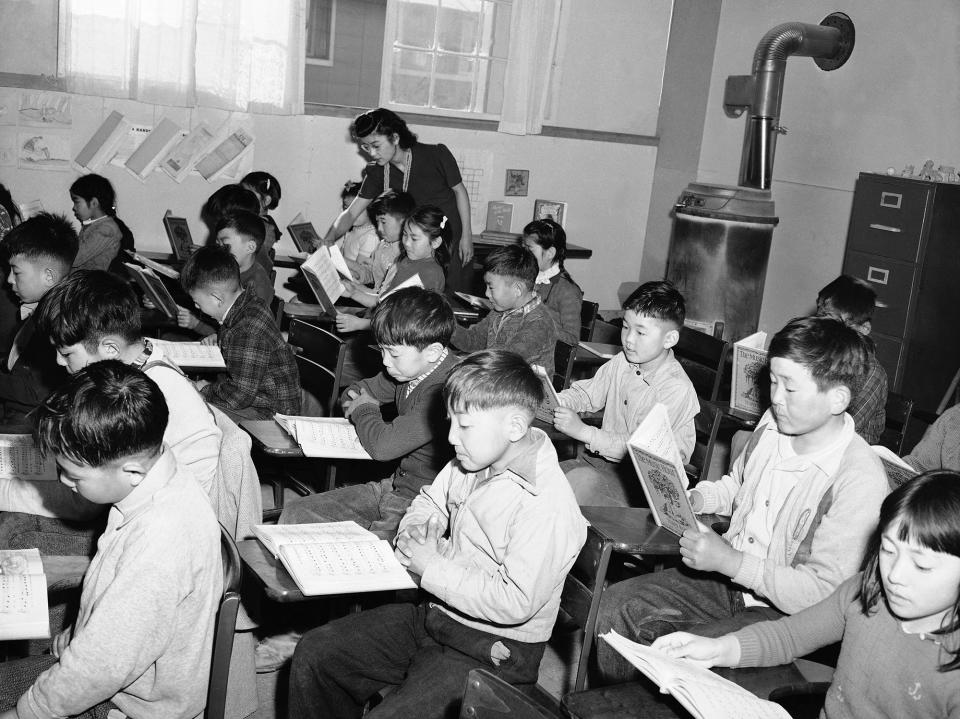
pixel 721 652
pixel 707 551
pixel 569 422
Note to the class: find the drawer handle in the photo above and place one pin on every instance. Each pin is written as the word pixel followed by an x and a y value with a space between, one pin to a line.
pixel 891 200
pixel 878 275
pixel 884 228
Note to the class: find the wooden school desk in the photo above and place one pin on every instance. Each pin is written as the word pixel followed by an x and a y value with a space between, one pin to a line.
pixel 277 583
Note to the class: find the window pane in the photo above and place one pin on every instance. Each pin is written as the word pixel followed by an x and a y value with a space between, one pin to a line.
pixel 458 27
pixel 410 80
pixel 319 20
pixel 453 84
pixel 417 21
pixel 497 22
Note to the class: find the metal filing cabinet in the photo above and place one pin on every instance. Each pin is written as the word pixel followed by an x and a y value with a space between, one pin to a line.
pixel 904 239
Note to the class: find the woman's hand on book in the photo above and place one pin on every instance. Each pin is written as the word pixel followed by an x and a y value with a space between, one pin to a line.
pixel 721 652
pixel 709 552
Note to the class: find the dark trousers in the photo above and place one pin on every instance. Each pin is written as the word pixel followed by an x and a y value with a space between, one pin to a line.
pixel 674 600
pixel 18 676
pixel 418 649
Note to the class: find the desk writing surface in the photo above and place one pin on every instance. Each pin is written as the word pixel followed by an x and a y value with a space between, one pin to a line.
pixel 277 582
pixel 633 530
pixel 270 438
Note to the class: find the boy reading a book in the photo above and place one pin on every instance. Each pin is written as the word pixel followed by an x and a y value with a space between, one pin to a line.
pixel 804 497
pixel 626 388
pixel 93 315
pixel 141 642
pixel 853 301
pixel 261 377
pixel 39 252
pixel 412 328
pixel 491 540
pixel 519 321
pixel 242 233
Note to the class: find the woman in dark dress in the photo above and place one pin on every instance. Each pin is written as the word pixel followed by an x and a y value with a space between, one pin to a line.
pixel 428 172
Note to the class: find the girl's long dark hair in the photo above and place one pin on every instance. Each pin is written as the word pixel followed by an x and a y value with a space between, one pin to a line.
pixel 90 186
pixel 927 509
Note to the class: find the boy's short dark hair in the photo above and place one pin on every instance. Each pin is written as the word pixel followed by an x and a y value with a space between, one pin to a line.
pixel 849 299
pixel 513 261
pixel 835 353
pixel 105 412
pixel 46 236
pixel 413 316
pixel 210 266
pixel 246 224
pixel 658 299
pixel 391 202
pixel 491 379
pixel 87 305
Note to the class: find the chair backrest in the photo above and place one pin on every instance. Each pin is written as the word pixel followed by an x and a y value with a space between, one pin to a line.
pixel 899 410
pixel 224 627
pixel 580 598
pixel 707 425
pixel 704 358
pixel 487 696
pixel 606 332
pixel 588 315
pixel 320 356
pixel 276 308
pixel 564 354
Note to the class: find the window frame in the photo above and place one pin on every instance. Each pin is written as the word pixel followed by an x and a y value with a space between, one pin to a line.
pixel 391 23
pixel 333 36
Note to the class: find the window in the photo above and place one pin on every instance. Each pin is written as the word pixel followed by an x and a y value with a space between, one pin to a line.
pixel 446 56
pixel 321 16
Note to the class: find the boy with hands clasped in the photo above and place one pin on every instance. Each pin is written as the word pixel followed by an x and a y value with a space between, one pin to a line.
pixel 491 540
pixel 804 497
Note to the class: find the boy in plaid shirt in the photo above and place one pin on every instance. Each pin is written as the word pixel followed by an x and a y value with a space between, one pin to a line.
pixel 261 377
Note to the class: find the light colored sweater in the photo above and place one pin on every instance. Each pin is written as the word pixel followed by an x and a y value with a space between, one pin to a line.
pixel 882 672
pixel 940 446
pixel 144 633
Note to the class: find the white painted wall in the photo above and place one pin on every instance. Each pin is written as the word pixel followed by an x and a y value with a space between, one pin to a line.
pixel 896 101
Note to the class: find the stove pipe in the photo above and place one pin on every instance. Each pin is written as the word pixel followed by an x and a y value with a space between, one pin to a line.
pixel 829 44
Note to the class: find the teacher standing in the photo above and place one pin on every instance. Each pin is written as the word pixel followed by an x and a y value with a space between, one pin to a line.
pixel 428 172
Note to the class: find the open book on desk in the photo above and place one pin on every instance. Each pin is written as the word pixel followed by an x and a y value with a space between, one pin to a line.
pixel 334 557
pixel 659 466
pixel 705 694
pixel 192 354
pixel 898 471
pixel 20 459
pixel 324 436
pixel 23 595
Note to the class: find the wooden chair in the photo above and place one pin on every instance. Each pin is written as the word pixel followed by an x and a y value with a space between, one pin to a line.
pixel 607 332
pixel 564 354
pixel 276 309
pixel 223 631
pixel 588 315
pixel 704 358
pixel 899 411
pixel 486 696
pixel 320 356
pixel 707 425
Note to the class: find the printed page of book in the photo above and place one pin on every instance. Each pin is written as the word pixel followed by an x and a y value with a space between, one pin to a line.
pixel 336 256
pixel 164 270
pixel 705 694
pixel 328 437
pixel 414 281
pixel 323 278
pixel 601 349
pixel 898 471
pixel 274 536
pixel 749 363
pixel 20 459
pixel 344 567
pixel 23 595
pixel 192 354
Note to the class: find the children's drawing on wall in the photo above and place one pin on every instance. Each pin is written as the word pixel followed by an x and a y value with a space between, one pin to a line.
pixel 9 107
pixel 46 109
pixel 44 151
pixel 8 147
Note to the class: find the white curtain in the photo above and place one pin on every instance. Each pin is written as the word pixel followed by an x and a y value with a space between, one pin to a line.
pixel 534 27
pixel 239 55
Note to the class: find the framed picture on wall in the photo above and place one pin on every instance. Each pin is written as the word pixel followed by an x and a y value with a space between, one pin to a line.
pixel 550 210
pixel 517 184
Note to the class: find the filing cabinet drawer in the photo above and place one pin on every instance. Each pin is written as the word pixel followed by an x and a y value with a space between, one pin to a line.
pixel 892 281
pixel 888 354
pixel 887 218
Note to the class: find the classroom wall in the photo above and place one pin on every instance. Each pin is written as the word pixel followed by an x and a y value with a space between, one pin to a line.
pixel 895 102
pixel 312 156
